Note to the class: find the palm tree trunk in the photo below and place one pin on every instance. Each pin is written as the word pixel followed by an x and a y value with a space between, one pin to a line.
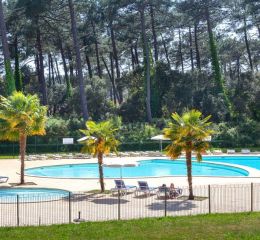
pixel 189 173
pixel 101 174
pixel 22 142
pixel 83 97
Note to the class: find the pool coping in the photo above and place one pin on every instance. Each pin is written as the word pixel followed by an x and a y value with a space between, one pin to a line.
pixel 253 173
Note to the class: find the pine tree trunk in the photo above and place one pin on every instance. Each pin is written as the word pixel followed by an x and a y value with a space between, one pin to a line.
pixel 114 90
pixel 112 75
pixel 132 57
pixel 247 45
pixel 99 70
pixel 155 42
pixel 71 68
pixel 22 142
pixel 89 66
pixel 68 83
pixel 191 50
pixel 57 69
pixel 166 52
pixel 52 70
pixel 197 47
pixel 17 72
pixel 146 63
pixel 49 70
pixel 83 97
pixel 180 52
pixel 136 54
pixel 41 67
pixel 189 172
pixel 115 54
pixel 101 174
pixel 10 86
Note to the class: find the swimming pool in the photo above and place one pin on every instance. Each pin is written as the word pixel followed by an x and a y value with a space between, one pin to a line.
pixel 249 161
pixel 31 194
pixel 146 168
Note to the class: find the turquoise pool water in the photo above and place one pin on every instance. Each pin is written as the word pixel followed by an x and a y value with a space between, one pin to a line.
pixel 150 168
pixel 249 161
pixel 31 194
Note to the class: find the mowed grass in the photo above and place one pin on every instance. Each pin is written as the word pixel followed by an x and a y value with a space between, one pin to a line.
pixel 218 226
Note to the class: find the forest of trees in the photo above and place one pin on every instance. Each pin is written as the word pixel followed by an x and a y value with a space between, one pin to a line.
pixel 138 59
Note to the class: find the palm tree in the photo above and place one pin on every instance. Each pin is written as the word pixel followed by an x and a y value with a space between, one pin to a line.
pixel 21 116
pixel 100 140
pixel 188 133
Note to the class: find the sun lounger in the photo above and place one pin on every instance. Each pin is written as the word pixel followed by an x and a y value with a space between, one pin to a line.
pixel 144 188
pixel 3 179
pixel 169 192
pixel 122 188
pixel 231 151
pixel 245 151
pixel 217 152
pixel 163 192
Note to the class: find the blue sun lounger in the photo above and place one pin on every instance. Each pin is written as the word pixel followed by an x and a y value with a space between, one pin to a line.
pixel 120 186
pixel 144 188
pixel 3 179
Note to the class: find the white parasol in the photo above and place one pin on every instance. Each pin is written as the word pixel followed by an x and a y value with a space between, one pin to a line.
pixel 160 138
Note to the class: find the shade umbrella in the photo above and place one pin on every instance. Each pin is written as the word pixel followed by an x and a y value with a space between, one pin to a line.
pixel 160 138
pixel 85 138
pixel 120 165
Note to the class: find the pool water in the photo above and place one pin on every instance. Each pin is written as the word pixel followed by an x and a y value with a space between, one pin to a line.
pixel 147 168
pixel 249 161
pixel 31 194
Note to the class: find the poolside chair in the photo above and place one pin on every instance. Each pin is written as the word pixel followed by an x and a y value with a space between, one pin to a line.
pixel 144 188
pixel 163 192
pixel 3 179
pixel 231 151
pixel 167 192
pixel 217 151
pixel 122 188
pixel 245 151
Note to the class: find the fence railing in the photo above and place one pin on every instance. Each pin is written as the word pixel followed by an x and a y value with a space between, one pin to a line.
pixel 24 210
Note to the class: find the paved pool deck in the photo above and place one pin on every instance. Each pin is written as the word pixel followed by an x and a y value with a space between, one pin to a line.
pixel 11 168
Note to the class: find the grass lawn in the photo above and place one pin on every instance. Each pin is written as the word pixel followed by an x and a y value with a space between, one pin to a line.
pixel 219 226
pixel 8 157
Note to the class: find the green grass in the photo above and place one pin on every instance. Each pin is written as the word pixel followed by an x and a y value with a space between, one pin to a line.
pixel 8 157
pixel 219 226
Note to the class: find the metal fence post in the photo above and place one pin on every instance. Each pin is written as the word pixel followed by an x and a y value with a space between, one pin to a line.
pixel 252 197
pixel 119 213
pixel 209 198
pixel 69 207
pixel 165 201
pixel 17 210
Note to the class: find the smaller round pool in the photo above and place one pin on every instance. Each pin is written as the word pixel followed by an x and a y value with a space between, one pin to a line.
pixel 13 195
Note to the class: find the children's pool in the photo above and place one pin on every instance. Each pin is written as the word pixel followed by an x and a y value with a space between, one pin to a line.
pixel 15 195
